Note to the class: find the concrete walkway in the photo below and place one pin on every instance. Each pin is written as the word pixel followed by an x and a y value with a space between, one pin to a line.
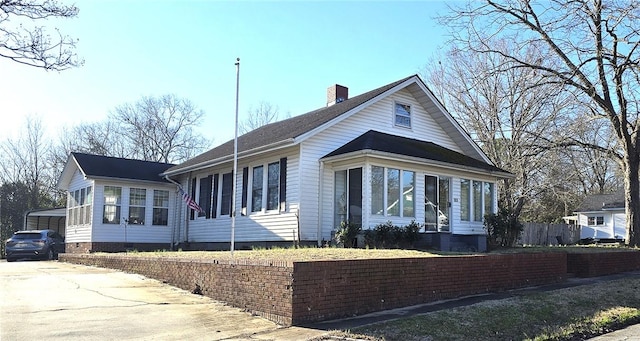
pixel 629 333
pixel 52 300
pixel 63 301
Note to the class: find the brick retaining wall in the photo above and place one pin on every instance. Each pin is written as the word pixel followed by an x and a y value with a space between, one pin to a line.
pixel 305 292
pixel 333 289
pixel 602 263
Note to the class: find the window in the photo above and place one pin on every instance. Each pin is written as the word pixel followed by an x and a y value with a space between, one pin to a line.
pixel 594 221
pixel 137 203
pixel 204 198
pixel 348 194
pixel 89 207
pixel 269 199
pixel 273 183
pixel 76 210
pixel 488 198
pixel 256 189
pixel 465 200
pixel 227 187
pixel 476 199
pixel 79 206
pixel 408 180
pixel 112 202
pixel 403 115
pixel 82 205
pixel 392 192
pixel 160 207
pixel 268 190
pixel 377 190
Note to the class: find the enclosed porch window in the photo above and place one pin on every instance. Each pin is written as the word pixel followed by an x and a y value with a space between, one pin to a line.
pixel 348 196
pixel 392 192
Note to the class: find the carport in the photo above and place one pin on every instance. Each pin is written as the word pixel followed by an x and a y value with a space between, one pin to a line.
pixel 48 218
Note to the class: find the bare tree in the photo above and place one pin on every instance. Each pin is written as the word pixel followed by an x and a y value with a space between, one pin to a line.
pixel 160 128
pixel 591 49
pixel 264 114
pixel 24 161
pixel 509 122
pixel 23 41
pixel 99 138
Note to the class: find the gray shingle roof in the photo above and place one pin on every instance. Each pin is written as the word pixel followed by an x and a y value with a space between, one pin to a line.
pixel 287 129
pixel 598 202
pixel 120 168
pixel 382 142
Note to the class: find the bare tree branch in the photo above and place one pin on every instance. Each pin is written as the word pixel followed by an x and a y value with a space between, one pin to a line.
pixel 22 41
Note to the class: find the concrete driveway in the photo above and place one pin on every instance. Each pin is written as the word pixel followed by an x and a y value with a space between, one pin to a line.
pixel 50 300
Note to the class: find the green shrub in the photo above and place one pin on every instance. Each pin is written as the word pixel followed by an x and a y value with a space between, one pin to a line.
pixel 411 233
pixel 347 233
pixel 388 236
pixel 503 228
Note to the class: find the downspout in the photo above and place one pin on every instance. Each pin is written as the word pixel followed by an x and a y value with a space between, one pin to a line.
pixel 187 213
pixel 175 237
pixel 320 195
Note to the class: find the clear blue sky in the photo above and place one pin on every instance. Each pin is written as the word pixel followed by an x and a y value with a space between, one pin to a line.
pixel 290 53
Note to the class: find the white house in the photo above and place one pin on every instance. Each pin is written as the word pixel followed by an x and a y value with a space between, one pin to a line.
pixel 391 154
pixel 114 204
pixel 602 216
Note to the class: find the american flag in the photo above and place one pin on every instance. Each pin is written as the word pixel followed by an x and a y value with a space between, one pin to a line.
pixel 189 201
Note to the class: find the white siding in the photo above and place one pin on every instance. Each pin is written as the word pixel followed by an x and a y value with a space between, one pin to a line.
pixel 123 232
pixel 310 201
pixel 620 225
pixel 254 226
pixel 614 225
pixel 380 117
pixel 78 233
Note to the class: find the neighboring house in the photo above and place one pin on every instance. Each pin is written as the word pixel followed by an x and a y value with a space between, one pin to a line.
pixel 602 216
pixel 114 204
pixel 390 154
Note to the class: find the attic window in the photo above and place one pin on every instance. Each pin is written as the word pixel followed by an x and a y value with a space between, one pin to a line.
pixel 402 115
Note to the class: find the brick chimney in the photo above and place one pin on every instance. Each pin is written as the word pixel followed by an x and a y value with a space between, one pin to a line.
pixel 336 94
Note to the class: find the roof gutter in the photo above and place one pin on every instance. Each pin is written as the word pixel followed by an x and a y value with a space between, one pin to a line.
pixel 227 158
pixel 414 159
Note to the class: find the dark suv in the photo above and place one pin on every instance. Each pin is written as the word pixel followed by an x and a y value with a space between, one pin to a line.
pixel 36 244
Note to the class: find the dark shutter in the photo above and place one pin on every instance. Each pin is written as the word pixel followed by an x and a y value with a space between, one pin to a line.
pixel 214 194
pixel 245 180
pixel 283 184
pixel 193 195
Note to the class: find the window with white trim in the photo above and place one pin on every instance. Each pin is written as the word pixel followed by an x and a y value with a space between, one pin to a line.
pixel 112 203
pixel 402 115
pixel 160 207
pixel 595 220
pixel 88 206
pixel 225 196
pixel 256 189
pixel 137 203
pixel 476 199
pixel 265 187
pixel 392 192
pixel 79 206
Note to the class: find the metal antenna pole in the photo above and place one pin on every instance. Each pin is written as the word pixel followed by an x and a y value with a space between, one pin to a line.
pixel 235 163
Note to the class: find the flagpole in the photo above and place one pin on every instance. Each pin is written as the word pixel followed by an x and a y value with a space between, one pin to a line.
pixel 235 163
